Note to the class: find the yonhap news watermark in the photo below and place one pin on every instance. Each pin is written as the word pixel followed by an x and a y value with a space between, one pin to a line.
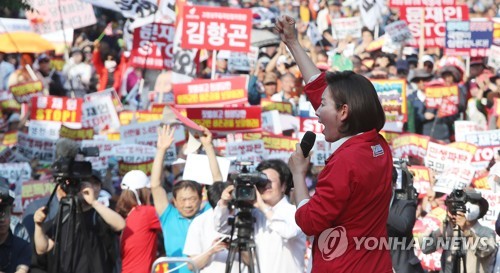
pixel 333 243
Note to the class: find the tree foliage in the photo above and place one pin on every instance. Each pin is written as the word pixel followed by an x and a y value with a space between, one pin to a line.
pixel 17 4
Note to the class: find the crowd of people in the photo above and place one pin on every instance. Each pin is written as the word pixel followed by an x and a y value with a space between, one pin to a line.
pixel 155 214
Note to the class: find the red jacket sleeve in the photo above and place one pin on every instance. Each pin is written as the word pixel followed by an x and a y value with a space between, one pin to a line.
pixel 329 201
pixel 314 90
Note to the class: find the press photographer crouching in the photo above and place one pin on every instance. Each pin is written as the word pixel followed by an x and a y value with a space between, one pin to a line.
pixel 280 244
pixel 15 253
pixel 467 245
pixel 81 238
pixel 402 217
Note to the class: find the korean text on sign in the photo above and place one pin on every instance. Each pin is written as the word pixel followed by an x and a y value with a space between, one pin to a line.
pixel 216 28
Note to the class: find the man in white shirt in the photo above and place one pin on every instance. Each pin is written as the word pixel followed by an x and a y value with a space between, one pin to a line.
pixel 281 245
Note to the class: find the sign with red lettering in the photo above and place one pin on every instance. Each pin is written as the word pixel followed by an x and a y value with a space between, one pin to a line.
pixel 59 109
pixel 311 124
pixel 244 119
pixel 435 18
pixel 217 28
pixel 211 92
pixel 153 46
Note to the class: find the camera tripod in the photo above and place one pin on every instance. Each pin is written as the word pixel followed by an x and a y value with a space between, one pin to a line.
pixel 244 241
pixel 68 218
pixel 459 254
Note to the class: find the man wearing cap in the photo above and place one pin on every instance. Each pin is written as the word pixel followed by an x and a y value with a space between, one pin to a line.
pixel 416 106
pixel 78 73
pixel 51 79
pixel 15 253
pixel 428 61
pixel 481 250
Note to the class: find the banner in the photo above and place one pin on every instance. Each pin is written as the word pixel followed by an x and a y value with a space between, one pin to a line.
pixel 494 208
pixel 280 143
pixel 100 114
pixel 10 138
pixel 455 176
pixel 6 154
pixel 12 25
pixel 16 174
pixel 389 136
pixel 44 129
pixel 465 126
pixel 271 122
pixel 111 92
pixel 435 18
pixel 282 107
pixel 137 8
pixel 217 28
pixel 311 124
pixel 100 163
pixel 125 167
pixel 59 109
pixel 249 150
pixel 31 147
pixel 211 92
pixel 153 47
pixel 76 134
pixel 439 157
pixel 23 92
pixel 239 61
pixel 483 138
pixel 483 156
pixel 392 96
pixel 346 27
pixel 413 145
pixel 133 153
pixel 47 15
pixel 244 119
pixel 468 38
pixel 493 59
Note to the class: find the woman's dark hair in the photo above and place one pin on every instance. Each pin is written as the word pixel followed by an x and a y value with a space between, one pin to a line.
pixel 281 168
pixel 127 200
pixel 214 192
pixel 187 184
pixel 365 111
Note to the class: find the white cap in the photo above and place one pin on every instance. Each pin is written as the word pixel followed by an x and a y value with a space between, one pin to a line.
pixel 135 180
pixel 224 54
pixel 427 58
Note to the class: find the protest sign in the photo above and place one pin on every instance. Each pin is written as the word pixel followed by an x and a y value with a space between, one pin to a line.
pixel 321 152
pixel 421 179
pixel 35 189
pixel 464 146
pixel 465 126
pixel 144 166
pixel 153 47
pixel 413 145
pixel 185 68
pixel 6 154
pixel 126 117
pixel 239 61
pixel 51 16
pixel 398 31
pixel 76 134
pixel 431 221
pixel 16 174
pixel 198 169
pixel 439 157
pixel 217 28
pixel 493 59
pixel 280 143
pixel 211 92
pixel 44 129
pixel 111 92
pixel 436 94
pixel 493 210
pixel 133 153
pixel 481 182
pixel 23 92
pixel 238 119
pixel 392 96
pixel 59 109
pixel 100 114
pixel 389 136
pixel 243 147
pixel 105 147
pixel 483 138
pixel 483 156
pixel 454 177
pixel 468 38
pixel 10 138
pixel 311 124
pixel 43 149
pixel 346 27
pixel 283 107
pixel 12 25
pixel 133 132
pixel 271 122
pixel 435 18
pixel 371 12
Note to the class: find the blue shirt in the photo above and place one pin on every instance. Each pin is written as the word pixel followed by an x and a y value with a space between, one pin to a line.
pixel 175 228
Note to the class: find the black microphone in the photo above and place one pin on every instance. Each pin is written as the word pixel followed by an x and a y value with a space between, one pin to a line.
pixel 307 142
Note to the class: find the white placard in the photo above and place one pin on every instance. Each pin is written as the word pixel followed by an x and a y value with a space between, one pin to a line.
pixel 198 169
pixel 44 129
pixel 16 173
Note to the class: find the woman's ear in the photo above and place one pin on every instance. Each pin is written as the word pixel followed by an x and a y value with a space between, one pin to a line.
pixel 344 112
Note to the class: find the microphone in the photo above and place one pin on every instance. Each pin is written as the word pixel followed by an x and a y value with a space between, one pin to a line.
pixel 307 142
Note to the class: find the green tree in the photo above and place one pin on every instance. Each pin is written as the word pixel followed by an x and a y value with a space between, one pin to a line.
pixel 17 4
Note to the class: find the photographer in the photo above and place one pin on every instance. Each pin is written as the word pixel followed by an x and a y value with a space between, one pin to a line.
pixel 281 245
pixel 87 245
pixel 464 211
pixel 402 217
pixel 15 253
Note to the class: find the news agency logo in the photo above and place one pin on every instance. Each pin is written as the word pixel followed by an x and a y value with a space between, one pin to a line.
pixel 333 243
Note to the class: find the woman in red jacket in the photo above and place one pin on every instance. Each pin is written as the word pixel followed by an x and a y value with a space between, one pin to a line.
pixel 354 190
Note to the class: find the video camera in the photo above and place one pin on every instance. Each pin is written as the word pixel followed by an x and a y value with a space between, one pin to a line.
pixel 455 202
pixel 68 172
pixel 404 181
pixel 244 191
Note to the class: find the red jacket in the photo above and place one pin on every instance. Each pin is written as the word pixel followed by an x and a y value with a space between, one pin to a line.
pixel 103 73
pixel 353 192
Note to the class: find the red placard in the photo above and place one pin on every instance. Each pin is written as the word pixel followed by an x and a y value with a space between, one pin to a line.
pixel 211 92
pixel 311 124
pixel 419 3
pixel 216 28
pixel 436 96
pixel 434 23
pixel 240 119
pixel 156 42
pixel 60 109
